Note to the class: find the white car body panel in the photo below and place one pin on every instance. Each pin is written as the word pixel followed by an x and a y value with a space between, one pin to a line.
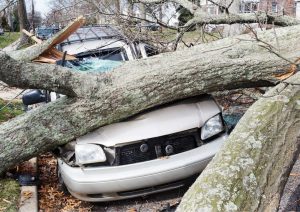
pixel 89 45
pixel 105 182
pixel 164 121
pixel 112 179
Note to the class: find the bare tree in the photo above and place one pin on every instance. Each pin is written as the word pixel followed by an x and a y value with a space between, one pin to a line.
pixel 24 23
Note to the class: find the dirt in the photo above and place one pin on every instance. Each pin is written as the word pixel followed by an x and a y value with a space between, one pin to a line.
pixel 53 198
pixel 8 93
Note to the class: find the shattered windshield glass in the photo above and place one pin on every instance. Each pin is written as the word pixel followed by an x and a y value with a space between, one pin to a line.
pixel 93 65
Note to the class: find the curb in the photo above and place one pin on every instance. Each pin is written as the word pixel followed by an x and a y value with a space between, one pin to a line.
pixel 29 195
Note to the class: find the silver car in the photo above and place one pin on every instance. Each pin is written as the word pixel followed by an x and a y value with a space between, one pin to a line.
pixel 148 153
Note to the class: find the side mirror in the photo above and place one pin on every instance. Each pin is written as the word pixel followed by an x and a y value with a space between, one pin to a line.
pixel 33 97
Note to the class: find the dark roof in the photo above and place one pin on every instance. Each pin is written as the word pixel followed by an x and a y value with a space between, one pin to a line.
pixel 98 32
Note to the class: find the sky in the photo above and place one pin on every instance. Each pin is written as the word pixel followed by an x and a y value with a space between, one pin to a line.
pixel 42 6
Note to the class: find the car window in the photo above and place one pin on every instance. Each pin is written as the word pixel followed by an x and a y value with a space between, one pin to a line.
pixel 150 51
pixel 114 54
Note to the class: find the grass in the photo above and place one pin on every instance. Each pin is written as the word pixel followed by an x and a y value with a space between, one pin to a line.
pixel 191 37
pixel 9 189
pixel 9 195
pixel 11 110
pixel 8 38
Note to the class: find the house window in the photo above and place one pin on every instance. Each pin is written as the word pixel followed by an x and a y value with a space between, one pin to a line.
pixel 274 7
pixel 249 7
pixel 212 10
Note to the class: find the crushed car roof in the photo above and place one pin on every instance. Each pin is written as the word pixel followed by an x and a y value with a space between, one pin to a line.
pixel 98 32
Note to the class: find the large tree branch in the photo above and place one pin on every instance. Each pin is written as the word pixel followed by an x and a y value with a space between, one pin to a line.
pixel 136 86
pixel 241 18
pixel 35 51
pixel 250 171
pixel 50 77
pixel 201 17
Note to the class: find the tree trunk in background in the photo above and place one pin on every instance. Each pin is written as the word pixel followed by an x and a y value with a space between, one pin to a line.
pixel 32 16
pixel 117 11
pixel 9 16
pixel 233 29
pixel 143 15
pixel 251 169
pixel 24 23
pixel 160 14
pixel 130 5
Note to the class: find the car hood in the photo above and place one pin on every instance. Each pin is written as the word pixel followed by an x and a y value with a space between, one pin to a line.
pixel 166 120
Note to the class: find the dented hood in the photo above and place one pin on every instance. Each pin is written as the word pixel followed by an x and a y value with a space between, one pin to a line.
pixel 185 115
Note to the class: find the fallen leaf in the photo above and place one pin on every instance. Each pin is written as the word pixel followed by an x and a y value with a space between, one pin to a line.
pixel 7 201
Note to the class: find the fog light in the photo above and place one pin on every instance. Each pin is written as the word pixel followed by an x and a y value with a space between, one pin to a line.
pixel 169 149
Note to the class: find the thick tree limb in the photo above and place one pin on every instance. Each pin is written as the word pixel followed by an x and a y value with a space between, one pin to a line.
pixel 35 51
pixel 49 77
pixel 250 171
pixel 135 86
pixel 241 18
pixel 201 17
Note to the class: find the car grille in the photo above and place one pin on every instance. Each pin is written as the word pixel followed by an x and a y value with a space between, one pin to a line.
pixel 157 147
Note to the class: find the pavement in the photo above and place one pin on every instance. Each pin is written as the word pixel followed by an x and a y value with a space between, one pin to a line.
pixel 7 93
pixel 29 194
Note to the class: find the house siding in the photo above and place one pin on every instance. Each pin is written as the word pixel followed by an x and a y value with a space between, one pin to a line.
pixel 286 7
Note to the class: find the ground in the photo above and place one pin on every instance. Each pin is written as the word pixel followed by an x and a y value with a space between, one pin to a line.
pixel 9 195
pixel 8 38
pixel 10 189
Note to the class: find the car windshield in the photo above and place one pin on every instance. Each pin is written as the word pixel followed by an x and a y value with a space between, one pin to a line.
pixel 92 64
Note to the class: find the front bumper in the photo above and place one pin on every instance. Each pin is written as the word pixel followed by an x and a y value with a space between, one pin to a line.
pixel 106 183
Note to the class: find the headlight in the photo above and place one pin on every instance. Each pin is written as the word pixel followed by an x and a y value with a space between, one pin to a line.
pixel 89 153
pixel 212 127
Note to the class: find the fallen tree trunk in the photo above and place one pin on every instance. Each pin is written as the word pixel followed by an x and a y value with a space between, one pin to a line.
pixel 100 99
pixel 250 171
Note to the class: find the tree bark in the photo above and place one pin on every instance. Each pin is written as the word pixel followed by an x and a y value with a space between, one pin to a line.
pixel 23 19
pixel 250 171
pixel 100 99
